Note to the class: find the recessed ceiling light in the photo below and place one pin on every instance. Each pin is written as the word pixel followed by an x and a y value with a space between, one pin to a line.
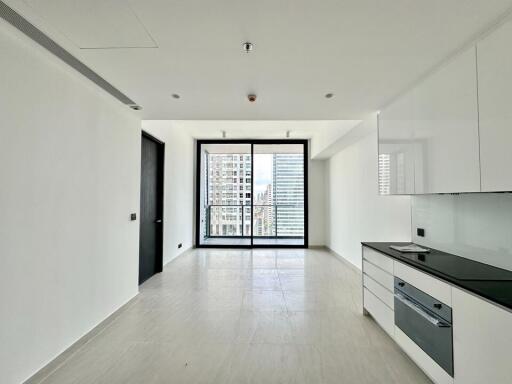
pixel 329 95
pixel 176 96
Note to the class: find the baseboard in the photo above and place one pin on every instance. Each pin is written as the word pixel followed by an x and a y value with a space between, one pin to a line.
pixel 344 261
pixel 179 255
pixel 58 361
pixel 323 247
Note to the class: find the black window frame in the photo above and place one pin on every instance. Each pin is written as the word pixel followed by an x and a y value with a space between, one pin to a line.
pixel 200 142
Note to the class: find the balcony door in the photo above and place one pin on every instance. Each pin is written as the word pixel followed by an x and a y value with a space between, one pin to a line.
pixel 251 193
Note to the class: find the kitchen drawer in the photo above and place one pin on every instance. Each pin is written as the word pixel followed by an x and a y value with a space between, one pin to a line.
pixel 380 312
pixel 380 276
pixel 378 290
pixel 424 361
pixel 380 260
pixel 426 283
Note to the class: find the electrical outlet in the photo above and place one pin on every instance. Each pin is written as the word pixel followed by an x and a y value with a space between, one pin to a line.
pixel 420 232
pixel 180 245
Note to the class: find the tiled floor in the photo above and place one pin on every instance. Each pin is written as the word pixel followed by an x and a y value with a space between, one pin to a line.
pixel 230 316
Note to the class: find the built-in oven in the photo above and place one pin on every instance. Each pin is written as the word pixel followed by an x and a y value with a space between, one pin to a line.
pixel 426 321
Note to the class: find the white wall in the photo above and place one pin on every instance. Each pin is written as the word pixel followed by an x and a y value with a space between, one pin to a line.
pixel 326 134
pixel 179 185
pixel 317 202
pixel 355 211
pixel 69 171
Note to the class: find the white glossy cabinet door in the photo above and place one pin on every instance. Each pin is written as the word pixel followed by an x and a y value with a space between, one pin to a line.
pixel 446 129
pixel 482 341
pixel 396 148
pixel 495 102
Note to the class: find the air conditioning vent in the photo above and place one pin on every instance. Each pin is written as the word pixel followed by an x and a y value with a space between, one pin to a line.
pixel 22 24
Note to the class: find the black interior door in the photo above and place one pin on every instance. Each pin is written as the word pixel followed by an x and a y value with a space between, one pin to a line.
pixel 151 207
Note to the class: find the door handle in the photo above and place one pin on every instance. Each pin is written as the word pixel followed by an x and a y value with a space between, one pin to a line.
pixel 416 308
pixel 158 221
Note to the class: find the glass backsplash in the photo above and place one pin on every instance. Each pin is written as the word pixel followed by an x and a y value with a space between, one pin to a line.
pixel 477 226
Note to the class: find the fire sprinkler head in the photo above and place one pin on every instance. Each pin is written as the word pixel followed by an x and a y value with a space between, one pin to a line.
pixel 248 47
pixel 251 98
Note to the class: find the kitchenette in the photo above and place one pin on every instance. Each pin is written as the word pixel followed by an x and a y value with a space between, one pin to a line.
pixel 451 315
pixel 446 143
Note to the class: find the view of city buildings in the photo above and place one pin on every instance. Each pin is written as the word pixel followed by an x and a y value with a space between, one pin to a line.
pixel 264 213
pixel 228 189
pixel 289 194
pixel 278 201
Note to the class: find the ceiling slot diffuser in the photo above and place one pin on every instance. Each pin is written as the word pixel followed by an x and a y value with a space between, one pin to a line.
pixel 34 33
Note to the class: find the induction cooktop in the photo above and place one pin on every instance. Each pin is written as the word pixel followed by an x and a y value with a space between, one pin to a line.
pixel 456 267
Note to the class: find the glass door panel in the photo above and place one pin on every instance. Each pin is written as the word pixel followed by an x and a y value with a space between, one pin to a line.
pixel 225 194
pixel 279 195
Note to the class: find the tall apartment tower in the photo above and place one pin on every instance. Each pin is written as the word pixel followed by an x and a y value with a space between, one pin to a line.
pixel 288 194
pixel 229 188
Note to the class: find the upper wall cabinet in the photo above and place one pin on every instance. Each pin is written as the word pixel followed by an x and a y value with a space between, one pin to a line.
pixel 396 149
pixel 495 105
pixel 428 139
pixel 446 129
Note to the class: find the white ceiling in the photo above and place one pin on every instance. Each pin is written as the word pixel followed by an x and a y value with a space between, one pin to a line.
pixel 364 51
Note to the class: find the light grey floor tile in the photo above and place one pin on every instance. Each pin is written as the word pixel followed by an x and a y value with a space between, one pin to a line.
pixel 241 316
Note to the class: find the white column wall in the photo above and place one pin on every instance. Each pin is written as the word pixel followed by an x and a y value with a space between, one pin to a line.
pixel 69 179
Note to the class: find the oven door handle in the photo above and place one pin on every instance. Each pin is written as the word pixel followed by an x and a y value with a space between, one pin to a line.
pixel 420 311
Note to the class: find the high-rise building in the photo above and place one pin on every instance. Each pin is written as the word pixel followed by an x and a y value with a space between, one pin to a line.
pixel 278 211
pixel 228 194
pixel 264 213
pixel 288 194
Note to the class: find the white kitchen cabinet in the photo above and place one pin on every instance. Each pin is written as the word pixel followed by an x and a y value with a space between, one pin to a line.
pixel 378 288
pixel 385 295
pixel 426 283
pixel 383 278
pixel 446 129
pixel 378 259
pixel 396 149
pixel 381 313
pixel 482 336
pixel 482 340
pixel 428 138
pixel 495 95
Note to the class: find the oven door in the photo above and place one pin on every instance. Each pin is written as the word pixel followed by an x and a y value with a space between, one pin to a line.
pixel 430 332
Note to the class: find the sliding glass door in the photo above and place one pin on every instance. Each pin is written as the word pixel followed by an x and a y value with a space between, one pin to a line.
pixel 279 192
pixel 225 190
pixel 251 193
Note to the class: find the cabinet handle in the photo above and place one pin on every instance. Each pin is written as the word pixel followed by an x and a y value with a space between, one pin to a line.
pixel 416 308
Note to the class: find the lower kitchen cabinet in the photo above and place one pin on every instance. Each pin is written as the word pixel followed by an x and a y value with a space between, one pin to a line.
pixel 482 331
pixel 380 312
pixel 482 340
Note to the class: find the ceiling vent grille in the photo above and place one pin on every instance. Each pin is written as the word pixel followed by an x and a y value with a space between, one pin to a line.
pixel 19 22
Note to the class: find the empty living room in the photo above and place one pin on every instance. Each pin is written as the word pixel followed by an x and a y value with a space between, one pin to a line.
pixel 240 192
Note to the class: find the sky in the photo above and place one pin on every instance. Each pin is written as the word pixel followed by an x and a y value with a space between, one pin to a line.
pixel 262 172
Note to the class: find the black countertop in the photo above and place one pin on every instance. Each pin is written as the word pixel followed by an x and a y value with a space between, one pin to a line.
pixel 491 283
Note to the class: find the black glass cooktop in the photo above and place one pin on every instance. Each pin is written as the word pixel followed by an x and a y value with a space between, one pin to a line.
pixel 490 282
